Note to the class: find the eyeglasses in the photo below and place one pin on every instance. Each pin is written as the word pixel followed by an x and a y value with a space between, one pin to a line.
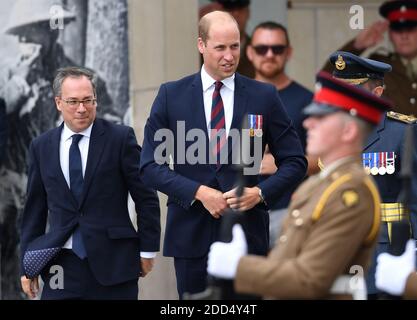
pixel 263 49
pixel 75 103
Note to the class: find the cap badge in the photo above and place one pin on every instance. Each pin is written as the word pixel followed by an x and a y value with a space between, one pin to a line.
pixel 340 63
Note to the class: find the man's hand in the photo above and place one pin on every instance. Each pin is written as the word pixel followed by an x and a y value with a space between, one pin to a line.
pixel 247 201
pixel 223 258
pixel 30 286
pixel 392 271
pixel 146 265
pixel 371 35
pixel 212 200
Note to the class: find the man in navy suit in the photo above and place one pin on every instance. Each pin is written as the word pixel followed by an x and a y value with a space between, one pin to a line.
pixel 208 107
pixel 80 175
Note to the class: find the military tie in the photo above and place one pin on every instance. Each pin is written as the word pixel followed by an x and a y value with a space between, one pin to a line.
pixel 76 185
pixel 217 123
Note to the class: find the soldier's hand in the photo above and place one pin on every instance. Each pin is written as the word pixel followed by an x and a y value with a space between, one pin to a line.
pixel 247 201
pixel 223 258
pixel 146 265
pixel 30 286
pixel 371 35
pixel 212 200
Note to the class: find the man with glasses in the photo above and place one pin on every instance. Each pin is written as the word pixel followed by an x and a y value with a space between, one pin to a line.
pixel 269 52
pixel 401 83
pixel 80 174
pixel 30 110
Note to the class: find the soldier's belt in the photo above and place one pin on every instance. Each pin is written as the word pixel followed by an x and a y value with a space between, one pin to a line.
pixel 391 212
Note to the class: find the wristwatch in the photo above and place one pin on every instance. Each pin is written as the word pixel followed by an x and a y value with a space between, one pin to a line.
pixel 261 196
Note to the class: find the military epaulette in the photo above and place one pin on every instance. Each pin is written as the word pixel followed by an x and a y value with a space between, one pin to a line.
pixel 401 117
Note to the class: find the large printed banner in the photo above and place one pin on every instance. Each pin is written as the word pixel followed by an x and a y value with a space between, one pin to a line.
pixel 38 37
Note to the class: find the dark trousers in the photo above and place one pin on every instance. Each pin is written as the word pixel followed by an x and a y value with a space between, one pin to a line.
pixel 191 275
pixel 79 282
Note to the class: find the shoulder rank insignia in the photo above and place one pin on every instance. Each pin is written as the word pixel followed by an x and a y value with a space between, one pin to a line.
pixel 350 198
pixel 340 64
pixel 401 117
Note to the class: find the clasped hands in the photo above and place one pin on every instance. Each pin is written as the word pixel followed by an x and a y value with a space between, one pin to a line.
pixel 217 202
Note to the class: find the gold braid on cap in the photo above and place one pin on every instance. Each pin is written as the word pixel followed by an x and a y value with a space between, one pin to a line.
pixel 356 82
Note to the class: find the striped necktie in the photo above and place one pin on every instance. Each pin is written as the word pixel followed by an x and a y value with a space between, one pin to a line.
pixel 217 123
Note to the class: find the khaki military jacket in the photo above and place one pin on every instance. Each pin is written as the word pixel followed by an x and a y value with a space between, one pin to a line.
pixel 331 227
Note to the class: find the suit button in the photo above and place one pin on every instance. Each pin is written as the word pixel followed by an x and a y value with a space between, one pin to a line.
pixel 412 100
pixel 283 238
pixel 414 85
pixel 299 222
pixel 295 213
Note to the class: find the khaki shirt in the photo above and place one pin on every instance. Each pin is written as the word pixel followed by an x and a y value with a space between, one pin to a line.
pixel 332 225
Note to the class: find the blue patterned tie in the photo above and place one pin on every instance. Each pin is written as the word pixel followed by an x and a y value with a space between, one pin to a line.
pixel 76 185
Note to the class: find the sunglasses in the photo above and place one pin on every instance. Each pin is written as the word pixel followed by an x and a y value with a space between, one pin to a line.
pixel 263 49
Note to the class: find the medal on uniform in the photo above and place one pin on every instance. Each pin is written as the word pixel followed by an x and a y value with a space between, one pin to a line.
pixel 251 120
pixel 390 162
pixel 258 130
pixel 366 162
pixel 382 163
pixel 374 163
pixel 255 125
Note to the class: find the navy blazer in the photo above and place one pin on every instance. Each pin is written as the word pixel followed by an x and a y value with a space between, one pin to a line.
pixel 190 228
pixel 388 136
pixel 3 130
pixel 113 245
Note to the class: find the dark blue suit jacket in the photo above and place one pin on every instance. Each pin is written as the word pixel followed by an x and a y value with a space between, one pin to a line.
pixel 3 130
pixel 389 137
pixel 190 229
pixel 113 246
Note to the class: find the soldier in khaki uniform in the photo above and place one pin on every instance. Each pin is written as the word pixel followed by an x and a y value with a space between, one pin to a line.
pixel 334 216
pixel 382 153
pixel 401 22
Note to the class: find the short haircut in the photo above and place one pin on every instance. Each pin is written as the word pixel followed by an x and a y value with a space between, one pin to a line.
pixel 270 25
pixel 73 72
pixel 206 21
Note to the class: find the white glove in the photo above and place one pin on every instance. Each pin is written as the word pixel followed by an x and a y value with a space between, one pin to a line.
pixel 223 257
pixel 392 271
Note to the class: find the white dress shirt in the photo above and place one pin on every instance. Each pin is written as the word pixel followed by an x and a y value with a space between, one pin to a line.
pixel 227 92
pixel 83 144
pixel 64 147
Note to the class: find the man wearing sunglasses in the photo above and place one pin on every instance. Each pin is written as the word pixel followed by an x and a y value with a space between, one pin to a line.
pixel 269 52
pixel 401 23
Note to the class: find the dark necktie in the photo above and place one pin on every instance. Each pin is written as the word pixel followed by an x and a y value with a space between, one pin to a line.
pixel 217 123
pixel 76 186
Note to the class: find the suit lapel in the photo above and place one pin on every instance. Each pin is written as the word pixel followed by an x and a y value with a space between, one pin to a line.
pixel 198 113
pixel 375 135
pixel 95 150
pixel 55 164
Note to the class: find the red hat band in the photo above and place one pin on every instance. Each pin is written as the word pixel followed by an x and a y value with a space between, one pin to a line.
pixel 334 98
pixel 397 15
